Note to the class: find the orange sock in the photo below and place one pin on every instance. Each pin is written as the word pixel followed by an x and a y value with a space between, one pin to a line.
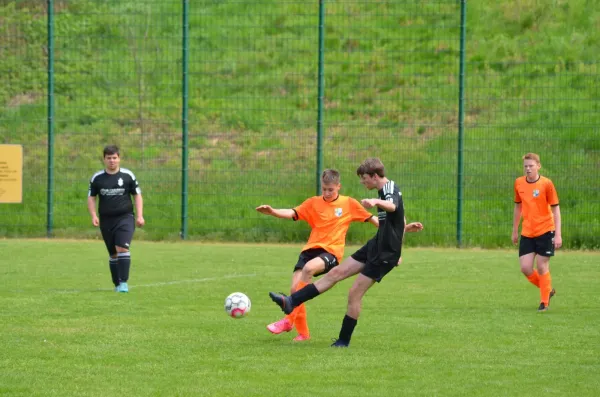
pixel 534 278
pixel 545 287
pixel 300 316
pixel 292 316
pixel 300 323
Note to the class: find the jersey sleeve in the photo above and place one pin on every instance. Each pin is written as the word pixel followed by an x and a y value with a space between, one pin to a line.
pixel 92 189
pixel 359 213
pixel 392 195
pixel 516 191
pixel 551 194
pixel 305 211
pixel 134 186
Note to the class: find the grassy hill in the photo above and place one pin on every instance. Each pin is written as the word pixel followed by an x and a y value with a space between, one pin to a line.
pixel 391 90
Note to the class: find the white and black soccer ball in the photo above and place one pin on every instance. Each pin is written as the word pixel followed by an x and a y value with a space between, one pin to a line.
pixel 237 305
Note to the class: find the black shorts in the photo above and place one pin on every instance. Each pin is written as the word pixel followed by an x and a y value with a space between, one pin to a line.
pixel 312 253
pixel 377 264
pixel 542 245
pixel 117 231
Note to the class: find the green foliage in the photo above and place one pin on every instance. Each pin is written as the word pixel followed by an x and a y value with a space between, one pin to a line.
pixel 391 90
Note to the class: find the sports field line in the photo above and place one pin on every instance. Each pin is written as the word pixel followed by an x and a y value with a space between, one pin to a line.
pixel 161 284
pixel 194 280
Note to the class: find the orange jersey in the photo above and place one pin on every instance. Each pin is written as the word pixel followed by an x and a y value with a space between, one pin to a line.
pixel 330 222
pixel 535 199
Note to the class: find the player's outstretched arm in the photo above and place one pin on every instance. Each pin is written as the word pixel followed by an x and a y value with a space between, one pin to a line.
pixel 277 213
pixel 413 227
pixel 374 220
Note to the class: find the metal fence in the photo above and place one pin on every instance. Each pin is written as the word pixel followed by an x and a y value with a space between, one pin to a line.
pixel 220 106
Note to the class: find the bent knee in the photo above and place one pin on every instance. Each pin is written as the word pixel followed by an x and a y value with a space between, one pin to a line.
pixel 121 249
pixel 313 267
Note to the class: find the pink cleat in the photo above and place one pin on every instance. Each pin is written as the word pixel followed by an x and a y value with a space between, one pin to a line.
pixel 301 338
pixel 280 326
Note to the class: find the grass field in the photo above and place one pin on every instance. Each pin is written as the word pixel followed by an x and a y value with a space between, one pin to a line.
pixel 446 323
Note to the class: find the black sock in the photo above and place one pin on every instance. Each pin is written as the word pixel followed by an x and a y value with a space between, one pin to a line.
pixel 114 273
pixel 304 294
pixel 124 262
pixel 347 328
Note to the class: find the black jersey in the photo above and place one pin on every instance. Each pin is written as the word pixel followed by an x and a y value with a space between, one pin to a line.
pixel 391 224
pixel 115 192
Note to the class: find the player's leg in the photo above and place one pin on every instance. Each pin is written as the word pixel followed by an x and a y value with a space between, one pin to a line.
pixel 315 267
pixel 370 274
pixel 357 291
pixel 526 260
pixel 123 235
pixel 107 236
pixel 544 250
pixel 287 323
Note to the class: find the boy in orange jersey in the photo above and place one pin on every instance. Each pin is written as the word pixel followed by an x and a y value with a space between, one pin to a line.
pixel 329 216
pixel 536 200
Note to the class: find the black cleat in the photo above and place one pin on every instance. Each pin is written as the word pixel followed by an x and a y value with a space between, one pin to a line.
pixel 543 307
pixel 283 301
pixel 552 293
pixel 339 343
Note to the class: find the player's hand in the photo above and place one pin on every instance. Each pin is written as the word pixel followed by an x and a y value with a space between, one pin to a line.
pixel 265 209
pixel 95 221
pixel 557 242
pixel 368 203
pixel 413 227
pixel 140 221
pixel 515 237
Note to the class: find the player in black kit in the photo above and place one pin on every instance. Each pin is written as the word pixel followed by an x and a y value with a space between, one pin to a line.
pixel 373 261
pixel 115 186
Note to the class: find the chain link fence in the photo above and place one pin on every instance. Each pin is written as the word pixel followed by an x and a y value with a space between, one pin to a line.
pixel 219 106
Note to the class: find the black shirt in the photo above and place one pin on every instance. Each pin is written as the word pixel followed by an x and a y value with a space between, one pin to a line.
pixel 115 192
pixel 391 224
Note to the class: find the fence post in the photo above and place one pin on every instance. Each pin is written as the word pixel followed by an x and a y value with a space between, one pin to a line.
pixel 321 91
pixel 50 70
pixel 184 120
pixel 461 124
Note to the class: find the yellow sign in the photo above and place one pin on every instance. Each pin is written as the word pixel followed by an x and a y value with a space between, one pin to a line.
pixel 11 174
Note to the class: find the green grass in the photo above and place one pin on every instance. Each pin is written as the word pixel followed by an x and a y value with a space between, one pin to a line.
pixel 446 323
pixel 391 90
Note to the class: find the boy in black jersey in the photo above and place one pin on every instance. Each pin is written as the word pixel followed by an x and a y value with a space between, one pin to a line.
pixel 373 261
pixel 115 186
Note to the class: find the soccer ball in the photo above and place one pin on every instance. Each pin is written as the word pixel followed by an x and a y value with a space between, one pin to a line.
pixel 237 305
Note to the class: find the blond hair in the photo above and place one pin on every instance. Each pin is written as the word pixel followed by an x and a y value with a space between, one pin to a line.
pixel 532 156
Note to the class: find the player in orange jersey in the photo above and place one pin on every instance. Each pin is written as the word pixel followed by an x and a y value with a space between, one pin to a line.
pixel 537 202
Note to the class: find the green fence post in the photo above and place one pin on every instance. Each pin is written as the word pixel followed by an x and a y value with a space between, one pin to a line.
pixel 461 123
pixel 184 121
pixel 321 90
pixel 50 185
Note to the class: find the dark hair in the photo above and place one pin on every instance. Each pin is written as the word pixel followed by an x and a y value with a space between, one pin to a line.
pixel 330 176
pixel 371 167
pixel 111 149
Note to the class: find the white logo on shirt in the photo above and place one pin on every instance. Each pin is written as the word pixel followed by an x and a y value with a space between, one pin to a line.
pixel 120 182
